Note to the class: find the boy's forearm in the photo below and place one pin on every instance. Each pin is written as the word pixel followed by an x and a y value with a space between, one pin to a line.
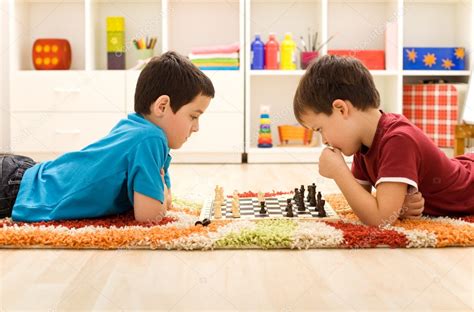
pixel 362 202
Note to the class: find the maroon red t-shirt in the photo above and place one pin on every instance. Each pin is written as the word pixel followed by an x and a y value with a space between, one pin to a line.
pixel 401 152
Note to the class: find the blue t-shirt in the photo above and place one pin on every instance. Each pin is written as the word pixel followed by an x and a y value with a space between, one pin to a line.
pixel 100 179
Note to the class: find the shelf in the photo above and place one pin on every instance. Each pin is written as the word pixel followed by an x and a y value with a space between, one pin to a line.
pixel 437 24
pixel 142 18
pixel 192 24
pixel 367 24
pixel 435 73
pixel 31 20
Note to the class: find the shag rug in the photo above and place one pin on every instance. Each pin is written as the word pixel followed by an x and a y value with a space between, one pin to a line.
pixel 177 231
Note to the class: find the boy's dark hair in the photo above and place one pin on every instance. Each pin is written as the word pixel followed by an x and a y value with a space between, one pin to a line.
pixel 173 75
pixel 334 77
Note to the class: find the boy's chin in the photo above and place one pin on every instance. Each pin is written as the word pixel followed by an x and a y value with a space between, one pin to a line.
pixel 347 153
pixel 176 145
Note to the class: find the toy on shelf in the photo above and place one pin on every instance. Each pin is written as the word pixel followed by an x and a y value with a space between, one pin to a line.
pixel 288 48
pixel 289 133
pixel 258 53
pixel 271 52
pixel 145 47
pixel 372 59
pixel 51 54
pixel 115 42
pixel 216 57
pixel 434 58
pixel 265 132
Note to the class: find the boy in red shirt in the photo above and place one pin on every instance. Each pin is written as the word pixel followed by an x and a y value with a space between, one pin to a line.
pixel 338 98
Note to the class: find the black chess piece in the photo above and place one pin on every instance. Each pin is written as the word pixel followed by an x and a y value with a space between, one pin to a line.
pixel 302 191
pixel 296 194
pixel 319 197
pixel 300 203
pixel 312 198
pixel 262 208
pixel 310 191
pixel 321 210
pixel 288 204
pixel 289 209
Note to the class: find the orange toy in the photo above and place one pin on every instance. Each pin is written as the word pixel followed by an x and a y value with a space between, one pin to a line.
pixel 288 133
pixel 51 54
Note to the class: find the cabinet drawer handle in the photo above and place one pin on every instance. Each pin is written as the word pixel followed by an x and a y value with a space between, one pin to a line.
pixel 65 131
pixel 67 90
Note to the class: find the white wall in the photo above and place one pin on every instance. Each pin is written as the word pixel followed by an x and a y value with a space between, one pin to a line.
pixel 4 81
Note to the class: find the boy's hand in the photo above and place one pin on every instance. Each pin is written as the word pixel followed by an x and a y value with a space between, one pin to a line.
pixel 413 206
pixel 331 163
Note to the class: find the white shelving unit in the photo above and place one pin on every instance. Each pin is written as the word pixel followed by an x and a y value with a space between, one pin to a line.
pixel 66 110
pixel 356 25
pixel 52 112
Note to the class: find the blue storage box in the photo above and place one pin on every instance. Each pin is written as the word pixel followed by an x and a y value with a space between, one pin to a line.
pixel 434 58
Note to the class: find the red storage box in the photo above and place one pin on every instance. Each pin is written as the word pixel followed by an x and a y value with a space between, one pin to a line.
pixel 434 109
pixel 372 59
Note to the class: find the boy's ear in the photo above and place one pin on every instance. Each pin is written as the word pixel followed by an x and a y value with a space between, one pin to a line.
pixel 159 107
pixel 341 107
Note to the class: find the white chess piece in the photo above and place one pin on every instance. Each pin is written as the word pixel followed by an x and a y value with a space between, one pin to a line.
pixel 217 209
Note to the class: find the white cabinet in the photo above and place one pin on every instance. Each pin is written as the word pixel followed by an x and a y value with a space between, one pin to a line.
pixel 53 112
pixel 68 91
pixel 53 132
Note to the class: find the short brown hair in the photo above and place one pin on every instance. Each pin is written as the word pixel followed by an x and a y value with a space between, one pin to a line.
pixel 173 75
pixel 334 77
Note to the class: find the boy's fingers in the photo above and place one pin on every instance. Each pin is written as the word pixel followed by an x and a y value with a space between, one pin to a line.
pixel 414 197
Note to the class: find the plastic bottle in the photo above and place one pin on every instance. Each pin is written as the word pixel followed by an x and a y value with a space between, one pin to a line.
pixel 257 53
pixel 271 52
pixel 288 56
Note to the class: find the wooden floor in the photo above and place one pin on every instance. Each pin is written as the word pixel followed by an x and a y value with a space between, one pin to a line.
pixel 235 280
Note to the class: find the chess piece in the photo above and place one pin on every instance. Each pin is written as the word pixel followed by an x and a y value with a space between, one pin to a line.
pixel 297 192
pixel 235 207
pixel 262 208
pixel 312 198
pixel 300 203
pixel 289 208
pixel 310 190
pixel 302 191
pixel 217 209
pixel 321 210
pixel 318 200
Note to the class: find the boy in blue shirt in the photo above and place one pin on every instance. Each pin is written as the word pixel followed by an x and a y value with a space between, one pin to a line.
pixel 125 170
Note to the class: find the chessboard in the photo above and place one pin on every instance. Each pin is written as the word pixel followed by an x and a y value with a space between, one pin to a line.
pixel 275 208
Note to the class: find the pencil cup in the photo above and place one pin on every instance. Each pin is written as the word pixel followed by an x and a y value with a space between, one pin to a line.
pixel 144 54
pixel 307 57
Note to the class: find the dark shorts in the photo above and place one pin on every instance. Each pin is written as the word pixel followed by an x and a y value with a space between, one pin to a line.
pixel 12 168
